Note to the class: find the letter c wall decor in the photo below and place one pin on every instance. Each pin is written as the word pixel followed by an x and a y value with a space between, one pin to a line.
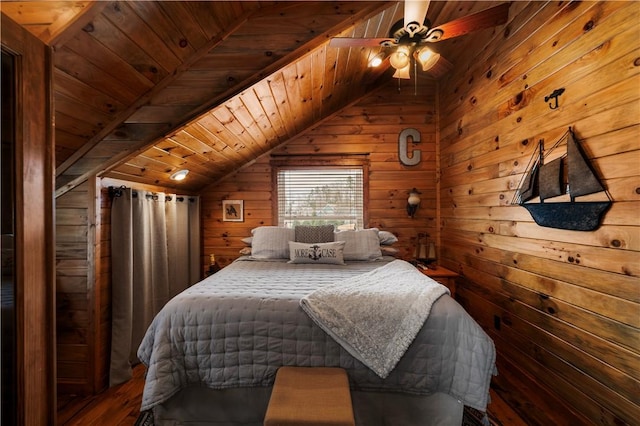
pixel 402 147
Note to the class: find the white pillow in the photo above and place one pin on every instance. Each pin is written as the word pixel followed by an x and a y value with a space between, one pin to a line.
pixel 387 238
pixel 389 251
pixel 331 253
pixel 271 242
pixel 360 245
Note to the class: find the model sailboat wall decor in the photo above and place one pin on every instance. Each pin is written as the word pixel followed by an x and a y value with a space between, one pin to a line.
pixel 546 183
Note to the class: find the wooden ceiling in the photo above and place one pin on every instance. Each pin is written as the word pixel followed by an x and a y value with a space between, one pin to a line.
pixel 145 88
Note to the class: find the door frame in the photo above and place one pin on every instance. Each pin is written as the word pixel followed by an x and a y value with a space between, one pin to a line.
pixel 34 234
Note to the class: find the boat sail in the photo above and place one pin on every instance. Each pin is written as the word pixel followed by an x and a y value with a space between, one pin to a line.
pixel 569 174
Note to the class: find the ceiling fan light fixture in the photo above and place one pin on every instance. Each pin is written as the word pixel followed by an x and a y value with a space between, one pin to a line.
pixel 179 175
pixel 403 73
pixel 377 60
pixel 427 58
pixel 400 58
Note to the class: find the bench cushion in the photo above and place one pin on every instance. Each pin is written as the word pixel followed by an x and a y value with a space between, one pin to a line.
pixel 317 396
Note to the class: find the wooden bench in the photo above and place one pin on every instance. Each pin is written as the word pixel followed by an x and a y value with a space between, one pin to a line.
pixel 310 396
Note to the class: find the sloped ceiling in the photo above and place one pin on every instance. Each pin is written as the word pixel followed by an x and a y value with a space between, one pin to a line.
pixel 145 88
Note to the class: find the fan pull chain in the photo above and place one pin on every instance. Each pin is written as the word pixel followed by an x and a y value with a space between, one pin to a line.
pixel 415 77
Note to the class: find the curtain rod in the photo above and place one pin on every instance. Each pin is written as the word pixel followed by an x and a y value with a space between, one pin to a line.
pixel 115 192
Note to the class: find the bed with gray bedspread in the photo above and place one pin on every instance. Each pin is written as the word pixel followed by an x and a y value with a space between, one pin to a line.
pixel 225 337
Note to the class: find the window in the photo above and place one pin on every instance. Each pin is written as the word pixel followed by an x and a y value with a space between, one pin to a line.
pixel 321 196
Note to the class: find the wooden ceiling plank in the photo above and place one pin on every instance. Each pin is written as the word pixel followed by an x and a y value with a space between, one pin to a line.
pixel 239 111
pixel 239 108
pixel 165 28
pixel 68 140
pixel 74 126
pixel 176 95
pixel 185 21
pixel 187 143
pixel 259 114
pixel 328 85
pixel 83 70
pixel 211 16
pixel 81 112
pixel 236 135
pixel 127 21
pixel 279 92
pixel 225 136
pixel 265 97
pixel 103 58
pixel 72 87
pixel 293 96
pixel 165 162
pixel 304 81
pixel 217 138
pixel 237 60
pixel 175 149
pixel 318 61
pixel 159 114
pixel 210 146
pixel 110 36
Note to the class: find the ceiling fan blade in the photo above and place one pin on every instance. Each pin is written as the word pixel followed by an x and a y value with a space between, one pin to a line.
pixel 356 42
pixel 488 18
pixel 415 11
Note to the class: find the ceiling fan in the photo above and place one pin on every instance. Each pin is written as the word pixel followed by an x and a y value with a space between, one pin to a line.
pixel 410 36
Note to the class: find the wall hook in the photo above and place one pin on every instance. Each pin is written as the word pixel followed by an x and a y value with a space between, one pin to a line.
pixel 554 95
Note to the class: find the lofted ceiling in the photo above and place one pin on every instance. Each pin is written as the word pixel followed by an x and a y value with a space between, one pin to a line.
pixel 145 88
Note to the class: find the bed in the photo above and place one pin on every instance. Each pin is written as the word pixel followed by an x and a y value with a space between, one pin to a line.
pixel 213 351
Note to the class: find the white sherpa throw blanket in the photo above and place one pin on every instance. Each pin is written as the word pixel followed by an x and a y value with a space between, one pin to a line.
pixel 376 315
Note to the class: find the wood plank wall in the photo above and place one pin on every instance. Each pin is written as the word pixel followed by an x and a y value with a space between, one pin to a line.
pixel 83 311
pixel 72 307
pixel 562 306
pixel 372 127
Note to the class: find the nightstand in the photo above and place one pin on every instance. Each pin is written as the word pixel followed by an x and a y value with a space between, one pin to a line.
pixel 443 276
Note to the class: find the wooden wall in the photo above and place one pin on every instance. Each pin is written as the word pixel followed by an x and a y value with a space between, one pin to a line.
pixel 372 127
pixel 82 293
pixel 562 306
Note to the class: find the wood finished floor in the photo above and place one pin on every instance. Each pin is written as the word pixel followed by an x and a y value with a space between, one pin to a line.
pixel 120 406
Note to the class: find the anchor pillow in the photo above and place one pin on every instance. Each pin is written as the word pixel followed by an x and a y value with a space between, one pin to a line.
pixel 327 253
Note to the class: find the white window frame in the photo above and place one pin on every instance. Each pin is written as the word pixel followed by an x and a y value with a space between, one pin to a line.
pixel 316 166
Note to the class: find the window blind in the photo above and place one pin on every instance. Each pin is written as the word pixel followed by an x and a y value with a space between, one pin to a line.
pixel 321 196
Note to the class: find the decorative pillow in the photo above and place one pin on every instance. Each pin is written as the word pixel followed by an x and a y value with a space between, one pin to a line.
pixel 331 253
pixel 245 251
pixel 271 242
pixel 314 234
pixel 387 238
pixel 247 241
pixel 360 245
pixel 389 251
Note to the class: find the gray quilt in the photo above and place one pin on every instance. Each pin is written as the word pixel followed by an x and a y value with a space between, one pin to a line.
pixel 235 328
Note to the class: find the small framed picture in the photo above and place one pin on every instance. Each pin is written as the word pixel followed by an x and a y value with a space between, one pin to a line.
pixel 232 211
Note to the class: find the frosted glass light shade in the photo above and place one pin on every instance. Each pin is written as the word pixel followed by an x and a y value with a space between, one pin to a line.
pixel 427 58
pixel 400 58
pixel 403 73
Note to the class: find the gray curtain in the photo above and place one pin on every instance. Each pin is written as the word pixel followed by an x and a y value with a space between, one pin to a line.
pixel 155 254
